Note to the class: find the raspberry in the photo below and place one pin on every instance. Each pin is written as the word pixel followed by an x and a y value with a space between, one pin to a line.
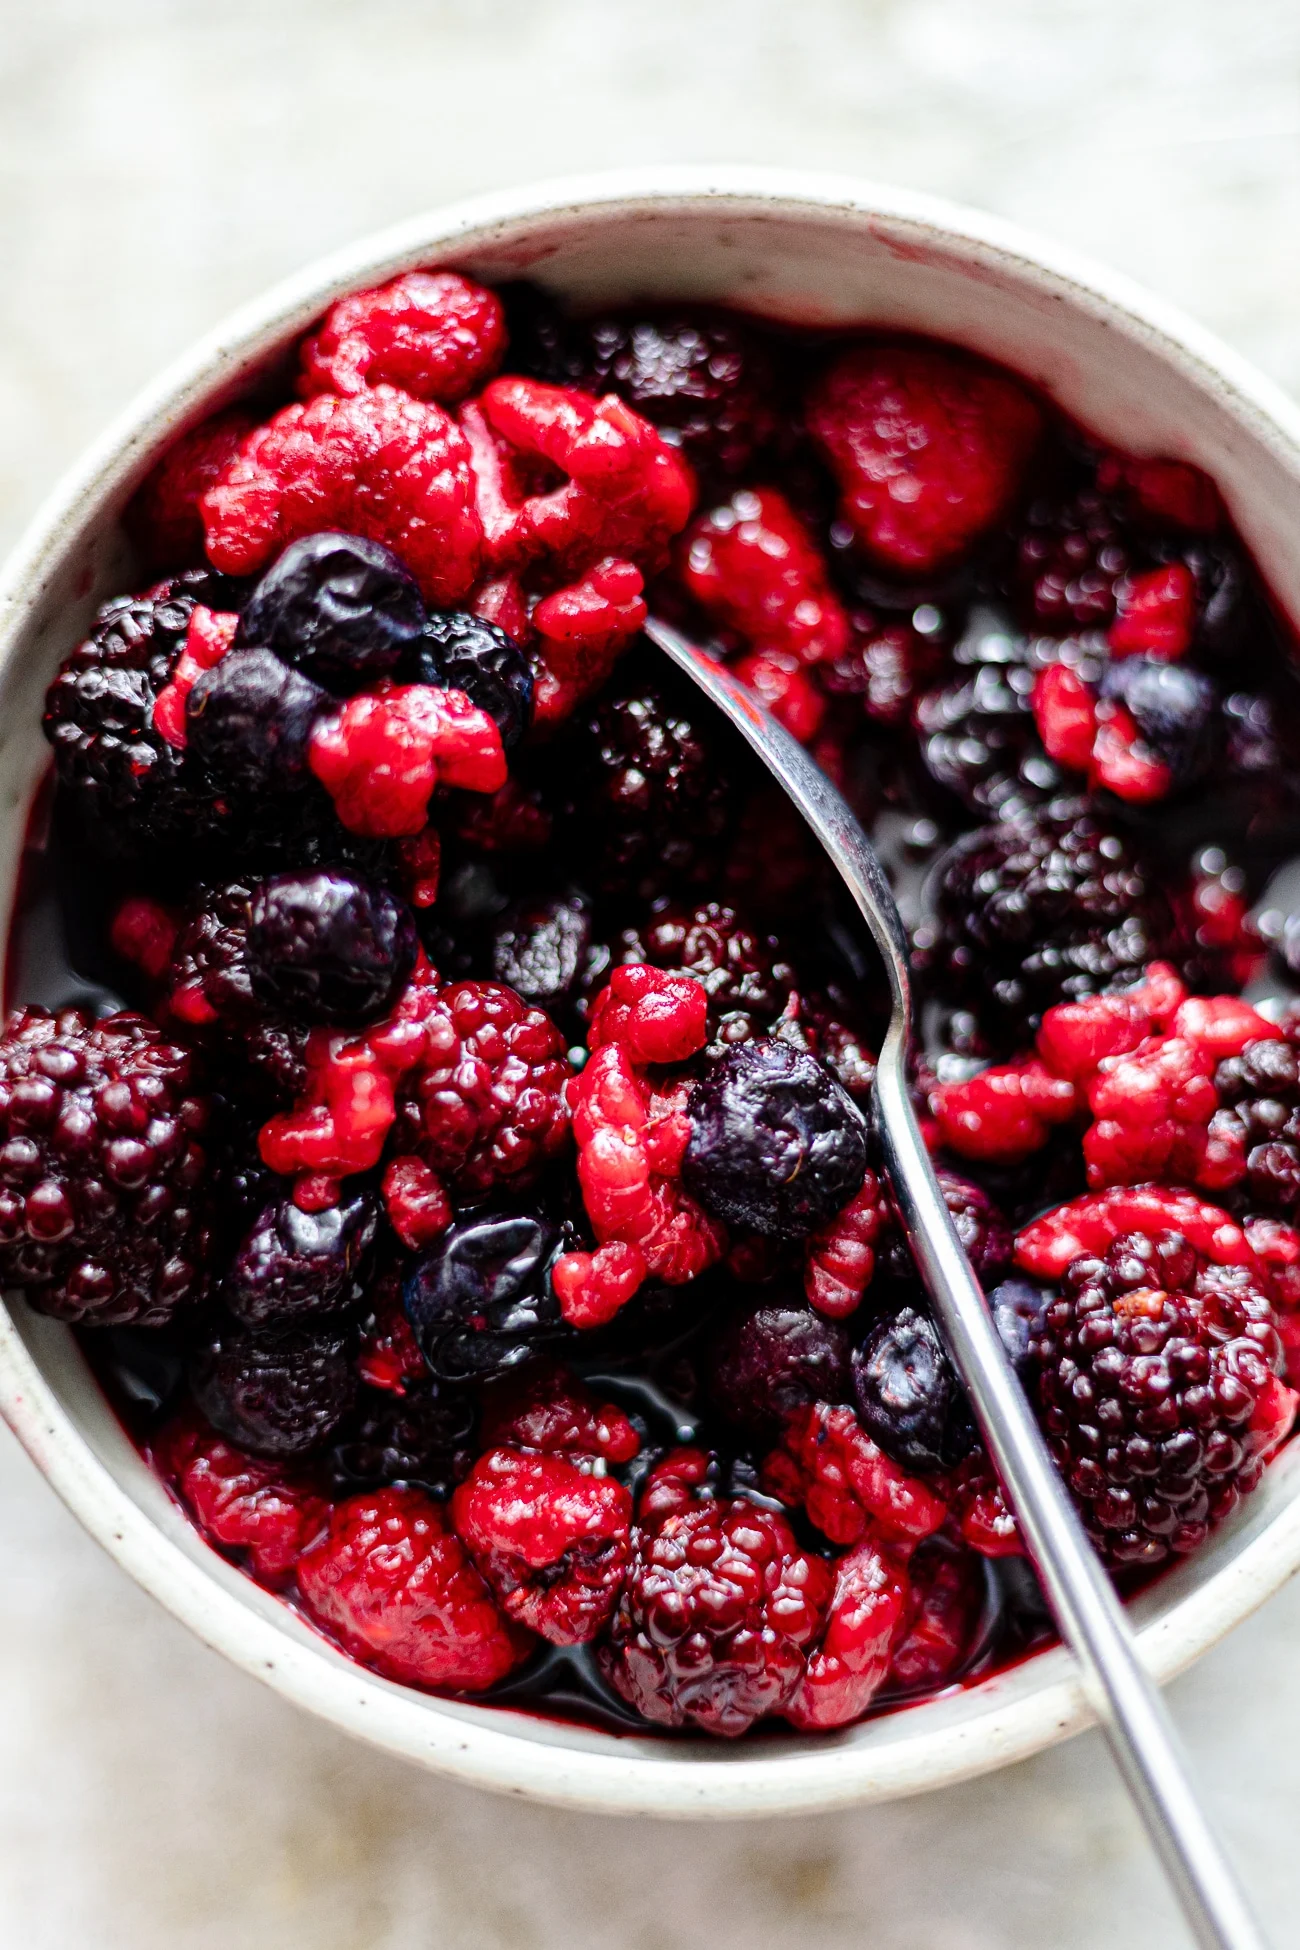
pixel 208 989
pixel 1157 613
pixel 887 666
pixel 1089 1226
pixel 1158 1391
pixel 1163 490
pixel 548 1409
pixel 768 1360
pixel 784 688
pixel 1072 556
pixel 657 1017
pixel 480 1302
pixel 980 1511
pixel 162 516
pixel 279 1392
pixel 341 609
pixel 977 733
pixel 389 1359
pixel 328 948
pixel 395 1584
pixel 868 1612
pixel 582 631
pixel 461 652
pixel 753 568
pixel 103 1180
pixel 947 1596
pixel 416 1202
pixel 382 466
pixel 711 1630
pixel 293 1266
pixel 551 1541
pixel 434 334
pixel 1003 1114
pixel 928 449
pixel 1175 714
pixel 207 641
pixel 239 1501
pixel 840 1258
pixel 827 1462
pixel 380 756
pixel 423 1438
pixel 749 984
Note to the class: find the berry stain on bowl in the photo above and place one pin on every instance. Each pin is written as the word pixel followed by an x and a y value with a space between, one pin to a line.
pixel 446 1123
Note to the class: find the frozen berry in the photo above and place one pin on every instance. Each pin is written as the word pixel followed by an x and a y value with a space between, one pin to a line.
pixel 460 652
pixel 324 947
pixel 249 722
pixel 1174 708
pixel 162 516
pixel 544 950
pixel 104 1183
pixel 867 1614
pixel 208 990
pixel 827 1462
pixel 1072 556
pixel 754 569
pixel 977 733
pixel 947 1596
pixel 749 983
pixel 767 1360
pixel 295 1266
pixel 981 1227
pixel 909 1399
pixel 1260 1092
pixel 434 334
pixel 278 1393
pixel 381 754
pixel 776 1145
pixel 339 608
pixel 423 1437
pixel 481 1302
pixel 242 1502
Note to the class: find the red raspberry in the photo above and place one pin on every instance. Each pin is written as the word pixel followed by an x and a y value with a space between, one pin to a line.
pixel 840 1259
pixel 1075 1037
pixel 718 1608
pixel 980 1509
pixel 947 1598
pixel 582 632
pixel 271 1512
pixel 143 932
pixel 552 1541
pixel 162 516
pixel 1004 1113
pixel 434 334
pixel 928 448
pixel 657 1016
pixel 396 1586
pixel 1277 1247
pixel 1065 712
pixel 752 567
pixel 845 1482
pixel 888 665
pixel 868 1612
pixel 382 465
pixel 783 687
pixel 416 1202
pixel 1123 762
pixel 389 1357
pixel 1164 490
pixel 1093 1223
pixel 548 1409
pixel 210 635
pixel 381 755
pixel 1157 613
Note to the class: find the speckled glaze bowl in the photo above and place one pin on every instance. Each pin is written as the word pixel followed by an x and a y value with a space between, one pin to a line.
pixel 810 250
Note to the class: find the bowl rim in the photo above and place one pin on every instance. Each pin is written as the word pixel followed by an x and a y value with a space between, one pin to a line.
pixel 631 1776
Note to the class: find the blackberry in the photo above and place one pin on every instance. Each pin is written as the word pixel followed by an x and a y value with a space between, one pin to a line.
pixel 909 1399
pixel 134 790
pixel 339 608
pixel 481 1301
pixel 539 333
pixel 765 1361
pixel 209 987
pixel 981 1227
pixel 461 652
pixel 1175 709
pixel 1156 1385
pixel 776 1145
pixel 1260 1092
pixel 1071 554
pixel 249 721
pixel 328 948
pixel 977 735
pixel 1047 907
pixel 279 1393
pixel 294 1266
pixel 104 1188
pixel 749 983
pixel 424 1438
pixel 544 948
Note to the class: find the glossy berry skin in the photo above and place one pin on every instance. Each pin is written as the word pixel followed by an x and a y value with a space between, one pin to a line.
pixel 162 516
pixel 278 1393
pixel 544 950
pixel 981 1227
pixel 480 1301
pixel 1260 1094
pixel 249 722
pixel 746 976
pixel 208 989
pixel 434 334
pixel 909 1399
pixel 947 1594
pixel 339 608
pixel 458 651
pixel 324 947
pixel 1072 554
pixel 776 1145
pixel 424 1437
pixel 1174 708
pixel 104 1180
pixel 243 1503
pixel 396 1585
pixel 719 1606
pixel 765 1361
pixel 868 1611
pixel 294 1266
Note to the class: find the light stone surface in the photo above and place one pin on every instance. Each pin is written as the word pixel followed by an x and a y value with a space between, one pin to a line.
pixel 161 160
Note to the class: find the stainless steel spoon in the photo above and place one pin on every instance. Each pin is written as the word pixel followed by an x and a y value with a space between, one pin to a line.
pixel 1090 1617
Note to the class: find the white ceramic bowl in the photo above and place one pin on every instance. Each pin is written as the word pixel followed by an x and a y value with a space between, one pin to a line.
pixel 811 250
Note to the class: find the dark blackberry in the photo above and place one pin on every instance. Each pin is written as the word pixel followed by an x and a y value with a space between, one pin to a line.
pixel 1071 554
pixel 981 1227
pixel 104 1185
pixel 249 721
pixel 341 609
pixel 909 1399
pixel 776 1145
pixel 133 789
pixel 1175 708
pixel 1047 907
pixel 461 652
pixel 544 948
pixel 767 1360
pixel 295 1266
pixel 327 948
pixel 208 987
pixel 1230 615
pixel 1260 1092
pixel 424 1438
pixel 481 1301
pixel 539 334
pixel 749 983
pixel 977 735
pixel 1156 1388
pixel 275 1393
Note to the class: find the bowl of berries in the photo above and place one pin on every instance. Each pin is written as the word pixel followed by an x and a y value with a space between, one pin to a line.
pixel 447 1252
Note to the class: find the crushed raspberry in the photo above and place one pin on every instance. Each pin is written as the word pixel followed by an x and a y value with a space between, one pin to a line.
pixel 1157 612
pixel 551 1540
pixel 434 334
pixel 783 687
pixel 210 635
pixel 752 567
pixel 420 858
pixel 144 932
pixel 947 1597
pixel 1065 712
pixel 1122 761
pixel 676 1483
pixel 1075 1037
pixel 382 465
pixel 582 631
pixel 548 1409
pixel 162 517
pixel 658 1016
pixel 1164 490
pixel 513 820
pixel 845 1482
pixel 1091 1224
pixel 983 1517
pixel 840 1259
pixel 1004 1113
pixel 592 1287
pixel 382 754
pixel 928 448
pixel 389 1358
pixel 1099 738
pixel 396 1585
pixel 416 1202
pixel 240 1501
pixel 868 1611
pixel 1216 914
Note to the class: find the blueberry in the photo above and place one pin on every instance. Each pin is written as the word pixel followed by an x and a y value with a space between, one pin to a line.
pixel 329 948
pixel 460 652
pixel 776 1145
pixel 294 1266
pixel 249 721
pixel 766 1361
pixel 1174 708
pixel 277 1394
pixel 909 1399
pixel 1019 1309
pixel 481 1301
pixel 424 1438
pixel 338 607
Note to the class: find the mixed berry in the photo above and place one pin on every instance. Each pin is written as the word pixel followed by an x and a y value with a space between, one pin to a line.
pixel 448 1120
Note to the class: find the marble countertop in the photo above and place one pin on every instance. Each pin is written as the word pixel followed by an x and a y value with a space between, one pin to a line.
pixel 162 160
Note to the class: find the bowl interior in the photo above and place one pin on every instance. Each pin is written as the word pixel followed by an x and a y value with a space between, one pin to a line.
pixel 804 252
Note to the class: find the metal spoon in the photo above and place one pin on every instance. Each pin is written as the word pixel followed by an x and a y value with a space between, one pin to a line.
pixel 1090 1617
